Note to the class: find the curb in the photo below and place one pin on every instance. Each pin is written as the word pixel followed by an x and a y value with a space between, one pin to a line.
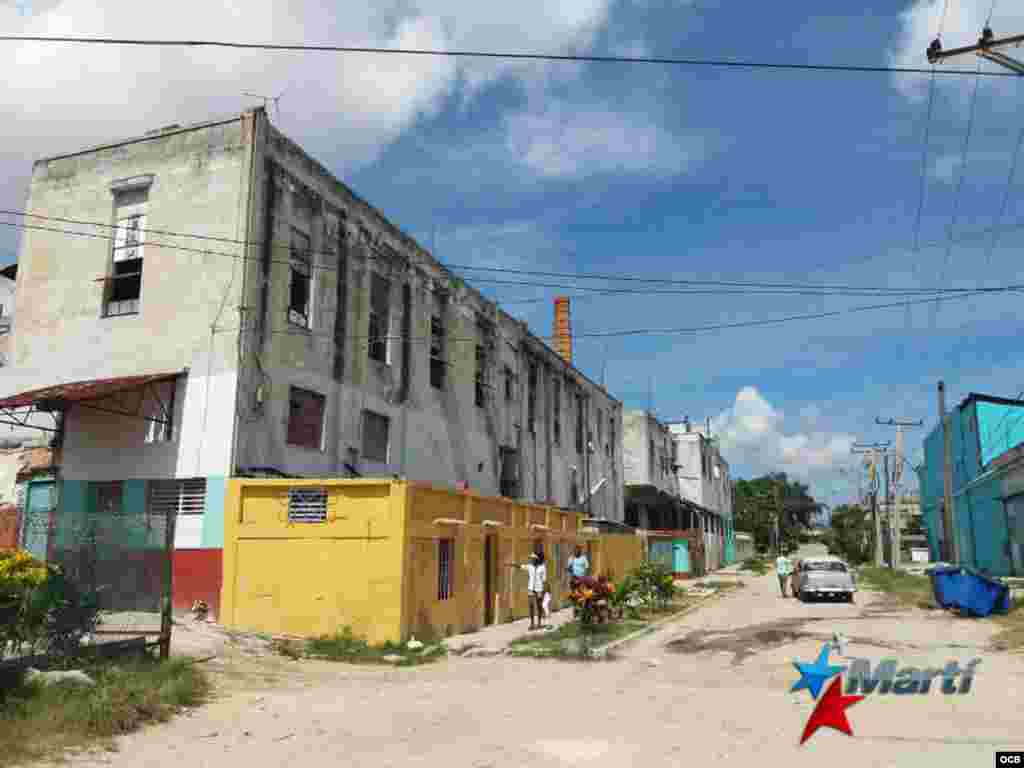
pixel 615 644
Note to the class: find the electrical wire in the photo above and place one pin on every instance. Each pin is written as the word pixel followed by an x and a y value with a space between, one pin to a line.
pixel 667 331
pixel 972 111
pixel 672 61
pixel 837 289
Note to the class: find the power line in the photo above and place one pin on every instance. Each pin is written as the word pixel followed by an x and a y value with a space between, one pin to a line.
pixel 854 289
pixel 669 331
pixel 672 61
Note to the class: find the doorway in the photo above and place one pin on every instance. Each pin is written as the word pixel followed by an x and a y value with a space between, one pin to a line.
pixel 39 503
pixel 490 560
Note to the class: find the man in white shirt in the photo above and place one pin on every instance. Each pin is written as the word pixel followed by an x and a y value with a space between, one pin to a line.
pixel 537 576
pixel 783 568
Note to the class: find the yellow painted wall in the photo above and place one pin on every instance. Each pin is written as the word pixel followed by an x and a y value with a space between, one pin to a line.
pixel 312 579
pixel 374 564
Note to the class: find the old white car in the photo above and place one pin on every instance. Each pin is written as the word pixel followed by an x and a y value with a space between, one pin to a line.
pixel 827 577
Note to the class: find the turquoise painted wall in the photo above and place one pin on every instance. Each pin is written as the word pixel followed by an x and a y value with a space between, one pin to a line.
pixel 980 518
pixel 1001 427
pixel 213 513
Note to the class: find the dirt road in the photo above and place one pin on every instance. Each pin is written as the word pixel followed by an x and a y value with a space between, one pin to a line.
pixel 713 688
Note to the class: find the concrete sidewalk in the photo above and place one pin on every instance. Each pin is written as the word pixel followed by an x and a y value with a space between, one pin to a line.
pixel 495 639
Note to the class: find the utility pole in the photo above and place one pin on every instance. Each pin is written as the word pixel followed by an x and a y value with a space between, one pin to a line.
pixel 874 449
pixel 986 47
pixel 894 513
pixel 951 546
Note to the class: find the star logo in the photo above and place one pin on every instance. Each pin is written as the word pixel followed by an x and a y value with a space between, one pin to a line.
pixel 814 676
pixel 830 711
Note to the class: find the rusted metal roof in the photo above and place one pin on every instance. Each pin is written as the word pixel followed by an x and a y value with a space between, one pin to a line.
pixel 80 391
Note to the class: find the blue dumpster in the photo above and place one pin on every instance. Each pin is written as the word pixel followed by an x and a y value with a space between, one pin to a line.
pixel 969 591
pixel 946 584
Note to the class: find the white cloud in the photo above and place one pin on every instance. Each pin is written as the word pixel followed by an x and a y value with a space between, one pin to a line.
pixel 751 435
pixel 561 140
pixel 67 96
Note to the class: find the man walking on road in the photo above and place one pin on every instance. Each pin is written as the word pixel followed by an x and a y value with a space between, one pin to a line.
pixel 783 568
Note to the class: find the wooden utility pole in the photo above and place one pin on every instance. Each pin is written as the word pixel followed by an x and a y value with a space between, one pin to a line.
pixel 951 546
pixel 874 449
pixel 894 512
pixel 987 47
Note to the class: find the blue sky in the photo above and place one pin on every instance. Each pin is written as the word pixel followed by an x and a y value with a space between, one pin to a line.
pixel 659 172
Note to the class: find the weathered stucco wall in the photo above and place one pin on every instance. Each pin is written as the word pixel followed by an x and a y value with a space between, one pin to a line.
pixel 437 435
pixel 197 188
pixel 640 431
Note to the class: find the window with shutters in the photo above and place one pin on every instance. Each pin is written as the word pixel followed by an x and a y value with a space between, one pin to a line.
pixel 306 418
pixel 177 497
pixel 380 317
pixel 124 285
pixel 307 505
pixel 445 568
pixel 300 291
pixel 376 428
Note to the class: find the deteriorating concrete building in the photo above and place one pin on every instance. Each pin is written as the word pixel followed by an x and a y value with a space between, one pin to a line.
pixel 208 301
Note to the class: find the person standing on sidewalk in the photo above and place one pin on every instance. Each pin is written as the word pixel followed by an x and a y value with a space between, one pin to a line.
pixel 578 565
pixel 537 576
pixel 783 568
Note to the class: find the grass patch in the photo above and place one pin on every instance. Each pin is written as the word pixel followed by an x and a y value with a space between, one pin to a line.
pixel 38 721
pixel 907 588
pixel 756 565
pixel 571 641
pixel 345 646
pixel 1011 635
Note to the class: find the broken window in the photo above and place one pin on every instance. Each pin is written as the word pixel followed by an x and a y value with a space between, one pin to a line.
pixel 306 418
pixel 445 568
pixel 108 498
pixel 481 375
pixel 556 409
pixel 600 429
pixel 300 287
pixel 437 360
pixel 531 398
pixel 650 456
pixel 376 429
pixel 610 447
pixel 509 389
pixel 380 304
pixel 124 287
pixel 579 423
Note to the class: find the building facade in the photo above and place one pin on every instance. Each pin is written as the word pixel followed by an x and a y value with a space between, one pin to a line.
pixel 651 488
pixel 704 480
pixel 225 306
pixel 985 433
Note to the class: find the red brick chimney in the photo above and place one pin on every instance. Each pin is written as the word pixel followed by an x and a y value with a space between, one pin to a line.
pixel 563 329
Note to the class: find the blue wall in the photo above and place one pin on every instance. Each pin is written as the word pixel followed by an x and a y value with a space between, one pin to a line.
pixel 980 518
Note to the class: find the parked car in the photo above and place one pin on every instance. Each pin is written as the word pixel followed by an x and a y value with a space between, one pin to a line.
pixel 827 577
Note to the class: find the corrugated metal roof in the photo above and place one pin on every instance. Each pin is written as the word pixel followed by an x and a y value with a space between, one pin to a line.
pixel 79 391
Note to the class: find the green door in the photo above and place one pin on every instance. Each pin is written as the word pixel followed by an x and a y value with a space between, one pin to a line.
pixel 39 503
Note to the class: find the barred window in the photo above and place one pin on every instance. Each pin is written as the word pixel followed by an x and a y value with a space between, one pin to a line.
pixel 307 505
pixel 445 568
pixel 177 497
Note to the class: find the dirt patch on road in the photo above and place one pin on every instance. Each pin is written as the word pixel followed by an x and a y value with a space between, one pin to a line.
pixel 748 641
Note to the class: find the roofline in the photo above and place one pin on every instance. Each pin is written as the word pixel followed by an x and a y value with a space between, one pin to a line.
pixel 976 396
pixel 451 276
pixel 151 137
